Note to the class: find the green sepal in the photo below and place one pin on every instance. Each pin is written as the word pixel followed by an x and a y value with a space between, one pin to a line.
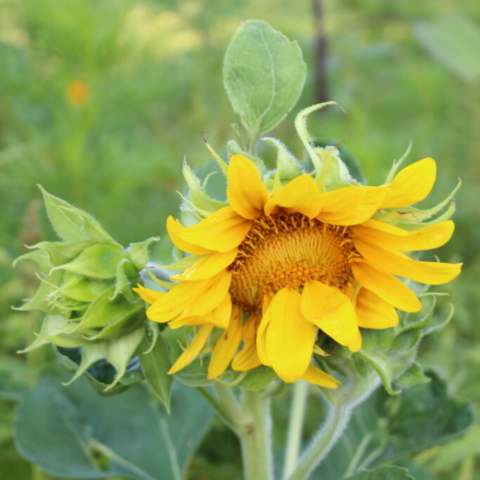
pixel 120 351
pixel 98 261
pixel 105 311
pixel 123 284
pixel 410 215
pixel 198 197
pixel 258 378
pixel 98 382
pixel 302 131
pixel 63 252
pixel 40 257
pixel 138 252
pixel 80 288
pixel 91 354
pixel 414 375
pixel 71 223
pixel 155 362
pixel 47 298
pixel 335 173
pixel 56 329
pixel 287 166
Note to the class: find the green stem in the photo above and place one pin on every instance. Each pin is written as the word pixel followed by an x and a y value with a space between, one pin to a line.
pixel 219 408
pixel 337 420
pixel 255 437
pixel 295 426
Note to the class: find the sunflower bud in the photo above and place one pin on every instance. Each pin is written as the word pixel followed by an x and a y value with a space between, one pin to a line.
pixel 86 289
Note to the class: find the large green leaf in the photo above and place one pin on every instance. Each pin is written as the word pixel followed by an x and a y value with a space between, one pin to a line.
pixel 454 41
pixel 263 74
pixel 60 429
pixel 386 428
pixel 383 473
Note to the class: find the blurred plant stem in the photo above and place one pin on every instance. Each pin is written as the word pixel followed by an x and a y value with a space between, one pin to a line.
pixel 295 426
pixel 255 436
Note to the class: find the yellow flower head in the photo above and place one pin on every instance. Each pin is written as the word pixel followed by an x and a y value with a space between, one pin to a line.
pixel 274 269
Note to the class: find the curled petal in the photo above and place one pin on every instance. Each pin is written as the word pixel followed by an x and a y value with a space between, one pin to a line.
pixel 246 192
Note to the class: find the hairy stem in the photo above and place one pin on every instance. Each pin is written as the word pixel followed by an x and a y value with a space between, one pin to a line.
pixel 255 437
pixel 295 426
pixel 337 420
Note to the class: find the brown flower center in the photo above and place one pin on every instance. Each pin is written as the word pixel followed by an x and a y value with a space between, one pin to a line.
pixel 287 250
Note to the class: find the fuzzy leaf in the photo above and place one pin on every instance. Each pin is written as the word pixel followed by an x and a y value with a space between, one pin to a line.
pixel 60 428
pixel 263 74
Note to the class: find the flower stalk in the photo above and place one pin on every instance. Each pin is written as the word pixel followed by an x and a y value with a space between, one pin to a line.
pixel 255 436
pixel 295 426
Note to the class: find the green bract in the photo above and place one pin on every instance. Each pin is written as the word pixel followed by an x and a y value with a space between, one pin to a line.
pixel 86 289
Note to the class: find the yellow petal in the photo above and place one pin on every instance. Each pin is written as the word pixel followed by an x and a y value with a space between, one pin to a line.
pixel 227 345
pixel 176 300
pixel 251 327
pixel 211 297
pixel 262 338
pixel 373 312
pixel 411 185
pixel 341 200
pixel 319 377
pixel 300 195
pixel 386 286
pixel 364 202
pixel 147 295
pixel 390 237
pixel 193 349
pixel 175 230
pixel 246 192
pixel 289 339
pixel 208 266
pixel 331 311
pixel 247 358
pixel 222 231
pixel 220 317
pixel 431 273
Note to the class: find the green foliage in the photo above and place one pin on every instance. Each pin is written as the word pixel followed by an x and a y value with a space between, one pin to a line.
pixel 155 361
pixel 263 74
pixel 382 473
pixel 453 40
pixel 72 432
pixel 388 429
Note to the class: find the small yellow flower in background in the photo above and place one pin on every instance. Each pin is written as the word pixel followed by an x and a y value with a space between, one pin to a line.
pixel 271 270
pixel 77 93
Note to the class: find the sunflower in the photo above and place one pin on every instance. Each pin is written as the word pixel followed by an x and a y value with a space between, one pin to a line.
pixel 273 270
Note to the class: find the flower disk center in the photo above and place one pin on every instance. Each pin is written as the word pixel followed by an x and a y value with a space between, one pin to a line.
pixel 288 250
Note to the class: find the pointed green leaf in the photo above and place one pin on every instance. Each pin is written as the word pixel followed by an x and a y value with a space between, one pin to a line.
pixel 263 74
pixel 156 363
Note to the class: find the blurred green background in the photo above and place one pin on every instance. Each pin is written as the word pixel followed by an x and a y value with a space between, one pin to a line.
pixel 100 100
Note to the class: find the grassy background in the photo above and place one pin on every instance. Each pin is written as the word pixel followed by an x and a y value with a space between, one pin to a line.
pixel 152 71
